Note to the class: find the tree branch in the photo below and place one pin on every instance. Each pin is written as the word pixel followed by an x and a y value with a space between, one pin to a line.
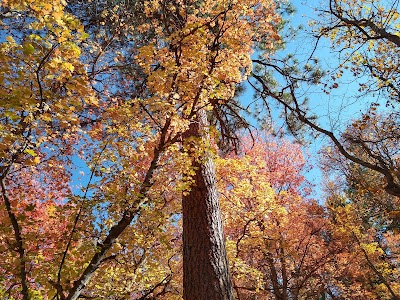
pixel 18 239
pixel 391 186
pixel 124 222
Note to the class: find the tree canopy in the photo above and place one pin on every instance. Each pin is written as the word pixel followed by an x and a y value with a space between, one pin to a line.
pixel 129 168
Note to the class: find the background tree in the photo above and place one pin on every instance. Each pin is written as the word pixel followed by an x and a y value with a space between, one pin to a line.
pixel 275 236
pixel 368 264
pixel 366 34
pixel 363 34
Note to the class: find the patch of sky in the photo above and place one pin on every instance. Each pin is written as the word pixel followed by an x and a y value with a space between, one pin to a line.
pixel 335 100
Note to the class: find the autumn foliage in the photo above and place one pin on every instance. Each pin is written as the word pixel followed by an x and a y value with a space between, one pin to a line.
pixel 105 129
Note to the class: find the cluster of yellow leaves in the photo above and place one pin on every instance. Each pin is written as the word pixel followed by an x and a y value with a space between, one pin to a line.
pixel 43 83
pixel 201 58
pixel 44 88
pixel 363 32
pixel 369 259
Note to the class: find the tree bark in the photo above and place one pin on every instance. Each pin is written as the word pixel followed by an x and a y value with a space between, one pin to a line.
pixel 274 278
pixel 205 264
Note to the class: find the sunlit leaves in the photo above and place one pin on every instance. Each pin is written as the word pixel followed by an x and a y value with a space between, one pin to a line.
pixel 43 81
pixel 367 32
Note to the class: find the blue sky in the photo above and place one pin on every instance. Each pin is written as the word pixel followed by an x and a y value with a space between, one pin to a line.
pixel 336 110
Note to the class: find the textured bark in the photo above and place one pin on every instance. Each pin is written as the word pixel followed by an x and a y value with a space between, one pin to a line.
pixel 205 264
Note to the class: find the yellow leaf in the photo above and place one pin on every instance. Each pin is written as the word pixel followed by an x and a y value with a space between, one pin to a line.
pixel 10 39
pixel 28 49
pixel 30 152
pixel 58 16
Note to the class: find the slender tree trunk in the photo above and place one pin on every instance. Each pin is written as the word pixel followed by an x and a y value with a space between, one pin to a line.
pixel 205 264
pixel 274 278
pixel 284 272
pixel 18 241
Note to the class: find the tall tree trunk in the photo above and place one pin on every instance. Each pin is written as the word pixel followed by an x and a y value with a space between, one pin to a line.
pixel 274 277
pixel 205 264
